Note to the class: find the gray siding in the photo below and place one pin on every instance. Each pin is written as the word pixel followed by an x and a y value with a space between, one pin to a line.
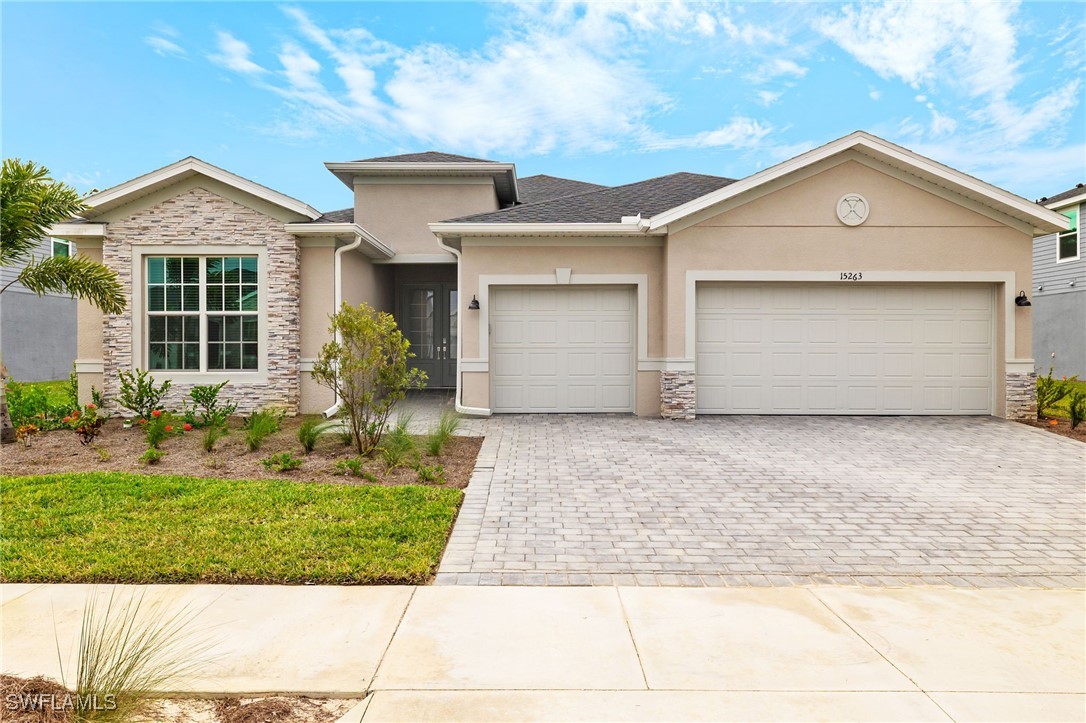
pixel 37 335
pixel 8 273
pixel 1059 310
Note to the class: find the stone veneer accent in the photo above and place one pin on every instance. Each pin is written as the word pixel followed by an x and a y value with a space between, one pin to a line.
pixel 1021 395
pixel 678 396
pixel 201 217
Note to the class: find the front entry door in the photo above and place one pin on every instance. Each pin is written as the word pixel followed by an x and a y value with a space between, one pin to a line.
pixel 428 320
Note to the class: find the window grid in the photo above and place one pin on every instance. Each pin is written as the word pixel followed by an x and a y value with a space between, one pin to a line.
pixel 188 328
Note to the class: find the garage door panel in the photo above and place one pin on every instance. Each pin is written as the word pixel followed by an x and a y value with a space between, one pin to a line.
pixel 869 349
pixel 562 349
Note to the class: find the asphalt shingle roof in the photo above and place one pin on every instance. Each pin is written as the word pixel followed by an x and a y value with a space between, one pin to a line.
pixel 425 157
pixel 609 205
pixel 1078 190
pixel 343 215
pixel 543 187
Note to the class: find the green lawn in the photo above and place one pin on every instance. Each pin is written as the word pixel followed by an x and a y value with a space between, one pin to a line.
pixel 1060 410
pixel 131 528
pixel 54 391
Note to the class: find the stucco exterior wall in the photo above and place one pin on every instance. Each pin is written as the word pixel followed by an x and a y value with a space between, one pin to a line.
pixel 398 213
pixel 196 216
pixel 366 282
pixel 583 256
pixel 89 334
pixel 1059 333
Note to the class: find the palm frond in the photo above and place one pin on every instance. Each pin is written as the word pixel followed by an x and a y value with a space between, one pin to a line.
pixel 30 203
pixel 78 276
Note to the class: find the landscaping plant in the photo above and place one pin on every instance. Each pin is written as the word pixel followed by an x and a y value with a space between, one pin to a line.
pixel 212 411
pixel 128 651
pixel 366 366
pixel 152 456
pixel 1076 406
pixel 355 467
pixel 281 462
pixel 139 394
pixel 440 435
pixel 25 432
pixel 160 426
pixel 397 445
pixel 28 403
pixel 260 425
pixel 87 423
pixel 1051 391
pixel 431 474
pixel 212 435
pixel 308 433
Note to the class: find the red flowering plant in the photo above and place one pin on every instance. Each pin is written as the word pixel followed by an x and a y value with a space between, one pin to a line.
pixel 161 426
pixel 86 422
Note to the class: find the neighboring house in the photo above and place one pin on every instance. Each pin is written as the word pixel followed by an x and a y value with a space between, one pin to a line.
pixel 1059 290
pixel 37 333
pixel 856 278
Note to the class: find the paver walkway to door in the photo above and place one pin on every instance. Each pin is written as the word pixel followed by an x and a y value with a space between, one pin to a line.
pixel 964 501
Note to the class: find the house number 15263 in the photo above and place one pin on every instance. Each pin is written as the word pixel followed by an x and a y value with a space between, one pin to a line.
pixel 852 276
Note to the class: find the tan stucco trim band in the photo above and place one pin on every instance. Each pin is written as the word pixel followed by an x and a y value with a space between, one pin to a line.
pixel 89 366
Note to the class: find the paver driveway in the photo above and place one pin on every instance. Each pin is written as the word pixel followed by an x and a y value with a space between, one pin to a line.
pixel 771 500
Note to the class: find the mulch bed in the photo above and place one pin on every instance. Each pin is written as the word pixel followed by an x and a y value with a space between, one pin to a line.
pixel 118 450
pixel 1058 426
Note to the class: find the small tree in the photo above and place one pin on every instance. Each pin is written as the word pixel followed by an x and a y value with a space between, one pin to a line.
pixel 366 366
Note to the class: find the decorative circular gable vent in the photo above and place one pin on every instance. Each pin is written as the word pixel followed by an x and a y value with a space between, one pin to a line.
pixel 852 209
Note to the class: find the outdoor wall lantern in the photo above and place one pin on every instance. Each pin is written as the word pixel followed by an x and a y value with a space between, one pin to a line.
pixel 474 303
pixel 1022 299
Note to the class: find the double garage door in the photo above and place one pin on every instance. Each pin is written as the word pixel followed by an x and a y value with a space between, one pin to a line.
pixel 784 348
pixel 845 348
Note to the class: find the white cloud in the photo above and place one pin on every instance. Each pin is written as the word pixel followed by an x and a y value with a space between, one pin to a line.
pixel 1029 172
pixel 969 47
pixel 740 133
pixel 558 75
pixel 235 55
pixel 874 95
pixel 777 68
pixel 768 97
pixel 165 47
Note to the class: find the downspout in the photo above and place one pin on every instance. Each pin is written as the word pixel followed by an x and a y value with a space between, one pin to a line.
pixel 458 400
pixel 337 284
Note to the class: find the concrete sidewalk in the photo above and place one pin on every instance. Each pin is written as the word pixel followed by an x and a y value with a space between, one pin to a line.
pixel 501 653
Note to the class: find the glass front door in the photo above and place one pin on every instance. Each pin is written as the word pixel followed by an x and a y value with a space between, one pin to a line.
pixel 428 320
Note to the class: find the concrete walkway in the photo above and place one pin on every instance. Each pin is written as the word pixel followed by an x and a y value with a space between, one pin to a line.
pixel 598 653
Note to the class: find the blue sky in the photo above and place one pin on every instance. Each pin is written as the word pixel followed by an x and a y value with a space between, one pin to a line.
pixel 610 93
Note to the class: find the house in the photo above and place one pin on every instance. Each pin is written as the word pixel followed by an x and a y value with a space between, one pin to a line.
pixel 856 278
pixel 1059 291
pixel 37 333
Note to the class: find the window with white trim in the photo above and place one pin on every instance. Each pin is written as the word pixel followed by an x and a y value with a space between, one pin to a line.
pixel 1068 243
pixel 60 247
pixel 203 313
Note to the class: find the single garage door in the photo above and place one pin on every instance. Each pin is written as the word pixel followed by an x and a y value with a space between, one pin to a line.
pixel 562 349
pixel 857 348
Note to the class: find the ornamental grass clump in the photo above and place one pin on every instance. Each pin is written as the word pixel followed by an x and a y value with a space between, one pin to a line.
pixel 129 651
pixel 260 425
pixel 1051 391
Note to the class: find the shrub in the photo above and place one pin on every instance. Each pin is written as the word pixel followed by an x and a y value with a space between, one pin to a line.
pixel 139 394
pixel 25 432
pixel 1076 406
pixel 431 474
pixel 212 435
pixel 29 404
pixel 282 462
pixel 160 427
pixel 1051 391
pixel 309 432
pixel 103 454
pixel 152 455
pixel 397 445
pixel 444 430
pixel 86 423
pixel 71 390
pixel 212 411
pixel 98 398
pixel 354 466
pixel 366 366
pixel 260 425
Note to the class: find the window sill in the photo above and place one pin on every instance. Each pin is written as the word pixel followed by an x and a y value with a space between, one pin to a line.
pixel 214 377
pixel 1068 259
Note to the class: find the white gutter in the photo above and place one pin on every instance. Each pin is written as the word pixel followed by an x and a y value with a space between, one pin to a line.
pixel 337 281
pixel 459 397
pixel 635 226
